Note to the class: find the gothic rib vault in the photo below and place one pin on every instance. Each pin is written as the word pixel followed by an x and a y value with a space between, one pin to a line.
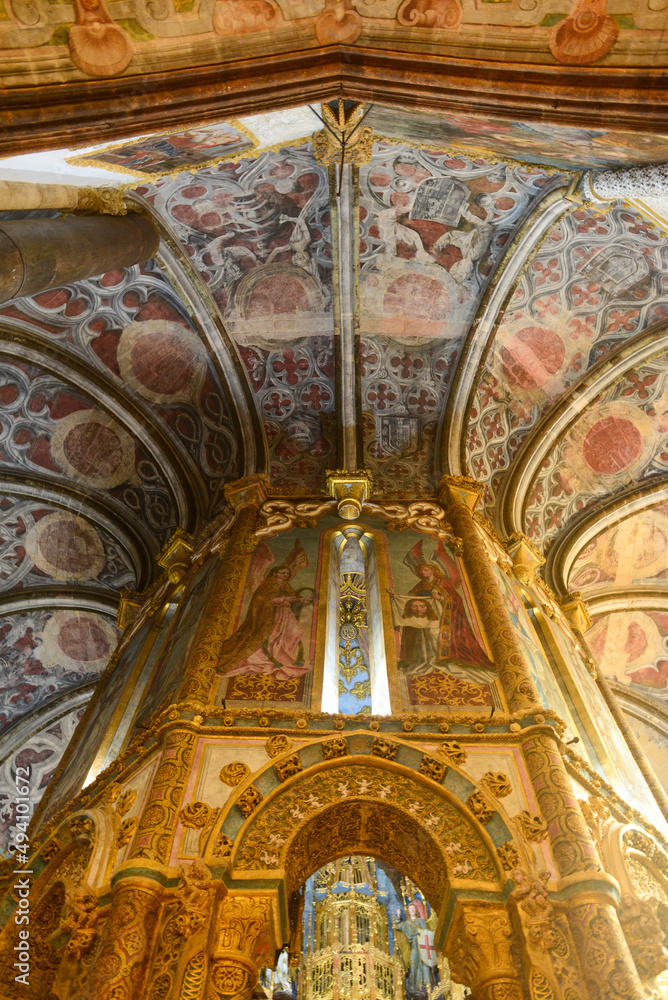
pixel 452 300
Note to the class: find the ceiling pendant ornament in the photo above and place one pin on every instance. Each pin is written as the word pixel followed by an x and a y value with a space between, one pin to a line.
pixel 343 139
pixel 350 490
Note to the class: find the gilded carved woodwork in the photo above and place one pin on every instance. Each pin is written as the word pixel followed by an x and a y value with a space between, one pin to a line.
pixel 311 803
pixel 546 940
pixel 604 955
pixel 496 783
pixel 175 556
pixel 199 816
pixel 331 749
pixel 288 767
pixel 121 965
pixel 277 745
pixel 194 897
pixel 243 933
pixel 246 496
pixel 234 773
pixel 453 751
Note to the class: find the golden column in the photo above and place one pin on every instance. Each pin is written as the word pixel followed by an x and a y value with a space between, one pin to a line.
pixel 121 969
pixel 572 845
pixel 246 496
pixel 460 495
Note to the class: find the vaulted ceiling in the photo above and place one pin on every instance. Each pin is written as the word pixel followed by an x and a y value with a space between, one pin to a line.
pixel 445 299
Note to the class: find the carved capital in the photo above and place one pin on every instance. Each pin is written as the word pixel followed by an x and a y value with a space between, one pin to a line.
pixel 460 490
pixel 526 556
pixel 175 556
pixel 249 491
pixel 243 935
pixel 575 610
pixel 350 490
pixel 481 952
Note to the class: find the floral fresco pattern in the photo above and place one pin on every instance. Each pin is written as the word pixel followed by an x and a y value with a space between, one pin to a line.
pixel 131 326
pixel 44 653
pixel 620 439
pixel 432 230
pixel 258 233
pixel 600 278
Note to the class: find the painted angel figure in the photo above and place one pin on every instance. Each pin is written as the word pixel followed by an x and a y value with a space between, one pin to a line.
pixel 450 644
pixel 269 639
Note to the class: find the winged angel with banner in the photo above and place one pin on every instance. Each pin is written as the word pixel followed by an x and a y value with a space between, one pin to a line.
pixel 269 639
pixel 436 633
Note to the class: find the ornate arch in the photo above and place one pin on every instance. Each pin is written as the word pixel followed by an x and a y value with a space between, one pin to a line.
pixel 364 793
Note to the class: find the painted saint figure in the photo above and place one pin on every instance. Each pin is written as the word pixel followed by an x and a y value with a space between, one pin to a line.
pixel 269 640
pixel 420 629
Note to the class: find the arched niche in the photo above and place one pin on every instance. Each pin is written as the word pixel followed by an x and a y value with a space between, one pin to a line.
pixel 353 549
pixel 363 794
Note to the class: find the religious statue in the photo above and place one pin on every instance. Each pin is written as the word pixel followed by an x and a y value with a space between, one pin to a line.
pixel 415 940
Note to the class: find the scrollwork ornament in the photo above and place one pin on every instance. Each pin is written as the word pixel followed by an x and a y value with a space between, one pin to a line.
pixel 277 744
pixel 453 751
pixel 508 855
pixel 480 807
pixel 532 826
pixel 496 783
pixel 234 773
pixel 126 831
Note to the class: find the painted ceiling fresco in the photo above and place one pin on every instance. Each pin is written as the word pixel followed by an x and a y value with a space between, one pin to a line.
pixel 493 325
pixel 598 280
pixel 99 39
pixel 432 230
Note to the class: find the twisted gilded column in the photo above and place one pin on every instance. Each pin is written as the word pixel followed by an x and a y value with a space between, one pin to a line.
pixel 461 496
pixel 246 496
pixel 121 969
pixel 156 825
pixel 572 845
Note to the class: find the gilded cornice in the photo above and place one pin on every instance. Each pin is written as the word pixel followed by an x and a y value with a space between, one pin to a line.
pixel 247 724
pixel 591 523
pixel 556 423
pixel 527 239
pixel 208 320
